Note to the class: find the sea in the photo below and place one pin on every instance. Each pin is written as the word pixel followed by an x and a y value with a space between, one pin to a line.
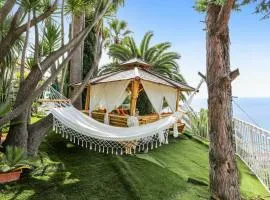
pixel 253 110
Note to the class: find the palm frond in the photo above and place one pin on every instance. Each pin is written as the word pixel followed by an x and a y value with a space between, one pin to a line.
pixel 111 67
pixel 160 49
pixel 51 39
pixel 145 43
pixel 163 61
pixel 155 50
pixel 133 47
pixel 164 58
pixel 120 52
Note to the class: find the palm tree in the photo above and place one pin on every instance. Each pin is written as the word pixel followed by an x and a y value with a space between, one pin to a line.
pixel 163 61
pixel 118 31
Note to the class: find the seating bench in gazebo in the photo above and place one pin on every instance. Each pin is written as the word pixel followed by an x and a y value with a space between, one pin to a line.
pixel 106 94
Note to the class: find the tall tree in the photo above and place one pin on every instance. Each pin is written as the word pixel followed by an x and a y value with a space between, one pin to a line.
pixel 76 61
pixel 118 31
pixel 30 137
pixel 78 9
pixel 224 181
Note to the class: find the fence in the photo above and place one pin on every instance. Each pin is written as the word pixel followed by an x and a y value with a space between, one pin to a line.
pixel 253 147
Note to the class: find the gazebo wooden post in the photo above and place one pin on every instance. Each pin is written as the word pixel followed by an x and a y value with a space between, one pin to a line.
pixel 177 100
pixel 87 100
pixel 134 96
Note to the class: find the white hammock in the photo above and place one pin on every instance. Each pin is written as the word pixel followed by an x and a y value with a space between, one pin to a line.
pixel 89 133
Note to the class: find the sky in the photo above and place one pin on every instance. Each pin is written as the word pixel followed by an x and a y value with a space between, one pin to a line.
pixel 177 22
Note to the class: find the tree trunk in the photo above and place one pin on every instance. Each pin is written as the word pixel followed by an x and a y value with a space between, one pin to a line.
pixel 36 133
pixel 64 71
pixel 224 182
pixel 53 70
pixel 24 50
pixel 18 134
pixel 76 61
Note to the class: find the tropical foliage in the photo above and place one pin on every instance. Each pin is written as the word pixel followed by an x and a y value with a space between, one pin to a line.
pixel 117 32
pixel 198 125
pixel 7 68
pixel 12 159
pixel 43 52
pixel 162 60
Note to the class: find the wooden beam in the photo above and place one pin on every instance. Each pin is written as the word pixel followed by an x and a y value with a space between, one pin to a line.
pixel 177 100
pixel 87 100
pixel 134 96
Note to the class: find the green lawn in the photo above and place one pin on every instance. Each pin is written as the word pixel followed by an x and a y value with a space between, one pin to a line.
pixel 160 174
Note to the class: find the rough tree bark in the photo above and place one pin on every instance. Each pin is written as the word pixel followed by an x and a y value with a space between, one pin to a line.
pixel 17 135
pixel 76 60
pixel 36 133
pixel 224 182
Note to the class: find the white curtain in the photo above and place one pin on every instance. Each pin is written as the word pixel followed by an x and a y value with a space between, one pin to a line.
pixel 170 95
pixel 154 94
pixel 108 95
pixel 96 97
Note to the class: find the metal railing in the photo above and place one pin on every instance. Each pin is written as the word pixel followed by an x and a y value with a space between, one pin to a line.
pixel 253 147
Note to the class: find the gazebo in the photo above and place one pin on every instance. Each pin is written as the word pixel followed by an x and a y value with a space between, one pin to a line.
pixel 106 94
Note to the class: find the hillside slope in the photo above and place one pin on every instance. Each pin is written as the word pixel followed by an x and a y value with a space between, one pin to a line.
pixel 160 174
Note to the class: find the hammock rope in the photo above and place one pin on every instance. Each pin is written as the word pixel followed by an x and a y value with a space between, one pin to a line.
pixel 84 131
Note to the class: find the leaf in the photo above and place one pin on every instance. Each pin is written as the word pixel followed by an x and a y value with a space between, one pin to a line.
pixel 14 155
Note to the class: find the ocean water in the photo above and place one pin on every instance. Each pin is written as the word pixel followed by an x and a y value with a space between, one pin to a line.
pixel 253 110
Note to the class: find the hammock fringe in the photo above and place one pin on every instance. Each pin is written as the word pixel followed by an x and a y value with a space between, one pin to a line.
pixel 113 147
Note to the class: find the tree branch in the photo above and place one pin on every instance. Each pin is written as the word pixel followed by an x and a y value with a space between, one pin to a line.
pixel 38 19
pixel 15 31
pixel 201 75
pixel 46 64
pixel 7 7
pixel 19 109
pixel 16 18
pixel 80 37
pixel 224 15
pixel 232 75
